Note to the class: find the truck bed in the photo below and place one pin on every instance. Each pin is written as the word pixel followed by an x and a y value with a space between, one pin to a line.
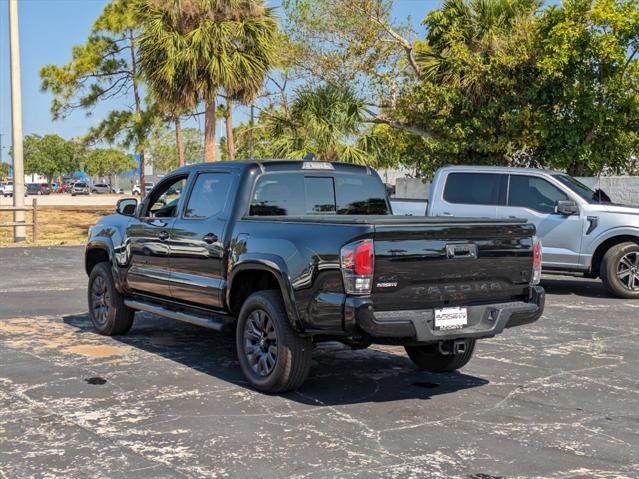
pixel 386 220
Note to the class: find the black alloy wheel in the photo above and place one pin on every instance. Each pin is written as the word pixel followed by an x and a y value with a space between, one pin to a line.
pixel 260 342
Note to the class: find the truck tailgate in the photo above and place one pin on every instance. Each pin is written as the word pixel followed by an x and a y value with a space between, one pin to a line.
pixel 452 263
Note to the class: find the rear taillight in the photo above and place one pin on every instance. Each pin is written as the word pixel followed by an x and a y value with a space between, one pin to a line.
pixel 536 273
pixel 357 266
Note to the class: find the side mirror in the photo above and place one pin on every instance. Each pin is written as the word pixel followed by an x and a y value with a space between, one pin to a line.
pixel 566 208
pixel 126 206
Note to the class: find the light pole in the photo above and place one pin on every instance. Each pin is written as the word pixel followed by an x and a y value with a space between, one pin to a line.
pixel 19 232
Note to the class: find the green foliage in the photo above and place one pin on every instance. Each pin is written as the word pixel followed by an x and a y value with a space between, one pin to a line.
pixel 352 43
pixel 391 148
pixel 504 83
pixel 252 142
pixel 586 99
pixel 164 152
pixel 201 46
pixel 50 155
pixel 4 171
pixel 323 121
pixel 103 68
pixel 103 162
pixel 193 49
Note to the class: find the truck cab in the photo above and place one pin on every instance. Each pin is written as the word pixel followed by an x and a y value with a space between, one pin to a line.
pixel 580 229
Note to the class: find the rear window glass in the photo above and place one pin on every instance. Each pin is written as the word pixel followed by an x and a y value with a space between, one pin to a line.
pixel 296 194
pixel 472 188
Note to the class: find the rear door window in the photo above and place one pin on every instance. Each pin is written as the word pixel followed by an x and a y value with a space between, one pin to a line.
pixel 474 188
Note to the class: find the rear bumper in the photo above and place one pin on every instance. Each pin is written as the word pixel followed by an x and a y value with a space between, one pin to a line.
pixel 484 320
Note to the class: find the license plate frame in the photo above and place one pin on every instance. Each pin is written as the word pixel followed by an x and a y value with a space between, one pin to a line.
pixel 448 319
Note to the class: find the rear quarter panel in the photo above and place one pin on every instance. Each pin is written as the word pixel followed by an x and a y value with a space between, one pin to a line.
pixel 307 255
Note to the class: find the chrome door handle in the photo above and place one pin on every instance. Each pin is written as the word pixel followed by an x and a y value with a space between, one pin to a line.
pixel 210 238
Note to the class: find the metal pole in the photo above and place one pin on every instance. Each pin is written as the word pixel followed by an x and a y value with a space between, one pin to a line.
pixel 34 220
pixel 19 232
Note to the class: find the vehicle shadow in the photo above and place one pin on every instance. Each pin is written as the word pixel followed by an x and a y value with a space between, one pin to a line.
pixel 566 285
pixel 338 376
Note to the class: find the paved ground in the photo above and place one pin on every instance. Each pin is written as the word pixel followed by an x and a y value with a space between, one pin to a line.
pixel 556 399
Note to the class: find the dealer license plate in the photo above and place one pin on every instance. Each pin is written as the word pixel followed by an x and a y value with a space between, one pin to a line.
pixel 451 318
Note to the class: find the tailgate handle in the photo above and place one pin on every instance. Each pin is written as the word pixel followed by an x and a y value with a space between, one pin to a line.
pixel 461 251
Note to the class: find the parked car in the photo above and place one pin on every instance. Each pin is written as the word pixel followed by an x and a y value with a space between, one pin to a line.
pixel 80 188
pixel 38 189
pixel 582 232
pixel 148 186
pixel 63 188
pixel 102 188
pixel 292 253
pixel 6 189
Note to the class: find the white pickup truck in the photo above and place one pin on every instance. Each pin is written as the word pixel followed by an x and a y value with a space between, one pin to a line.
pixel 580 229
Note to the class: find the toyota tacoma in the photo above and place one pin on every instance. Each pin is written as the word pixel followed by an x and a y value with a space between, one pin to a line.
pixel 293 253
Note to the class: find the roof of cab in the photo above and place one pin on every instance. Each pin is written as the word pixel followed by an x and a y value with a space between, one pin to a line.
pixel 277 165
pixel 498 169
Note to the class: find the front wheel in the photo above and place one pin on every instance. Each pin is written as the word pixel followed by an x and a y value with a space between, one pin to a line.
pixel 109 314
pixel 273 357
pixel 430 358
pixel 620 270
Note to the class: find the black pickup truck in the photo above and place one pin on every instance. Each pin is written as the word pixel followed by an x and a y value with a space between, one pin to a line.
pixel 294 253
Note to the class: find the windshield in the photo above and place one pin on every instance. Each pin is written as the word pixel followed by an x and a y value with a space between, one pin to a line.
pixel 577 187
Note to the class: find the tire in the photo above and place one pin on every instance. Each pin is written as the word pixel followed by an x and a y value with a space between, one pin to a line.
pixel 619 270
pixel 106 305
pixel 273 357
pixel 429 358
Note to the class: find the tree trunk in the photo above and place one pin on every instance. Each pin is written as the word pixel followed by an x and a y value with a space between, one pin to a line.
pixel 210 117
pixel 138 105
pixel 576 169
pixel 179 141
pixel 142 178
pixel 251 137
pixel 230 140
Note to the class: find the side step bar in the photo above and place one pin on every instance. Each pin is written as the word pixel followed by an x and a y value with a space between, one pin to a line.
pixel 215 323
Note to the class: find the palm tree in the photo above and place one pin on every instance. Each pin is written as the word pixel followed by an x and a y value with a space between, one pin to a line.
pixel 199 48
pixel 486 27
pixel 326 121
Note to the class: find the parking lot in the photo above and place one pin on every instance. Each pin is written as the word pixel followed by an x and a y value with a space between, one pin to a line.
pixel 559 398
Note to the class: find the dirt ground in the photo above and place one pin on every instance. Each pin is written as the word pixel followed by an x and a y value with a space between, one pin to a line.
pixel 58 225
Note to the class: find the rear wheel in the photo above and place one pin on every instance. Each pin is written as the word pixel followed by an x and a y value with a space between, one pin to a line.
pixel 273 357
pixel 620 270
pixel 109 314
pixel 430 358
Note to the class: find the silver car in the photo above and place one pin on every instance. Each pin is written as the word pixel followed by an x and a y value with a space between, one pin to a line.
pixel 80 188
pixel 580 229
pixel 102 188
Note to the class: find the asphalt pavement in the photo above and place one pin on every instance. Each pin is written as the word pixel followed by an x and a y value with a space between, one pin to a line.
pixel 559 398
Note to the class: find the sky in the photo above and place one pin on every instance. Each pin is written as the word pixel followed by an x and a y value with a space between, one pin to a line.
pixel 48 31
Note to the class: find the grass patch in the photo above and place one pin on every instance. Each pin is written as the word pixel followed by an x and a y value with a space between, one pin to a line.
pixel 58 225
